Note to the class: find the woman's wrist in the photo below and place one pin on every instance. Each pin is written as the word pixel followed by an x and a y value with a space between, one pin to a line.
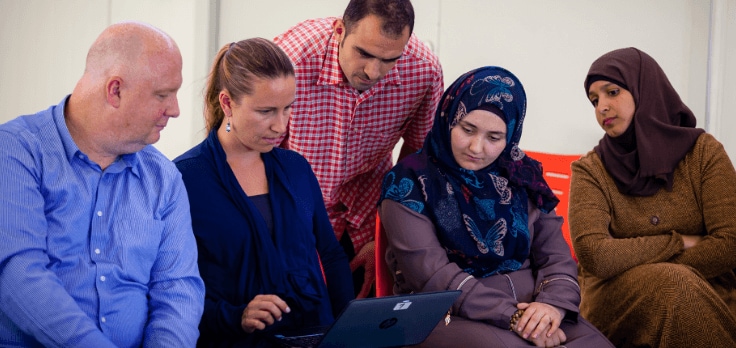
pixel 515 319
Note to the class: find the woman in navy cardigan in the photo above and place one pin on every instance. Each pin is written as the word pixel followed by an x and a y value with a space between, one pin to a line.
pixel 257 210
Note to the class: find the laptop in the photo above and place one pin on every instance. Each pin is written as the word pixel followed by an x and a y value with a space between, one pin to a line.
pixel 389 321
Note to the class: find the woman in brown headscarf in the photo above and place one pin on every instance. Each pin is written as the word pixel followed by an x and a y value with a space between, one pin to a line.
pixel 653 214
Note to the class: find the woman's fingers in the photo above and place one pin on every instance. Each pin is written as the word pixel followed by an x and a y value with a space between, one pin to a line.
pixel 262 311
pixel 539 319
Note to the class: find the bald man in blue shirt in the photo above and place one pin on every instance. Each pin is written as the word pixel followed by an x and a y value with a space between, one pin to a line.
pixel 97 248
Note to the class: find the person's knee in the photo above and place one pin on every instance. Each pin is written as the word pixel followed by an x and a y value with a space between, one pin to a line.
pixel 673 287
pixel 672 279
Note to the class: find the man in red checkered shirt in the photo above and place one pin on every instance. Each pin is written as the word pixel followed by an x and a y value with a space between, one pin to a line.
pixel 363 82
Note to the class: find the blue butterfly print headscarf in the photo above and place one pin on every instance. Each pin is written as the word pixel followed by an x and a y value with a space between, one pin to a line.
pixel 481 217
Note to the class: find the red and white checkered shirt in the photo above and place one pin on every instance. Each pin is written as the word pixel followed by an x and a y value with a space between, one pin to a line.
pixel 347 136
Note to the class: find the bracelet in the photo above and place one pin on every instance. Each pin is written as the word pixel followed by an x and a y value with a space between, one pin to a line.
pixel 515 318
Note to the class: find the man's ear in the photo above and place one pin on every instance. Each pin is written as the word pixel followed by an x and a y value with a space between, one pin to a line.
pixel 112 91
pixel 339 30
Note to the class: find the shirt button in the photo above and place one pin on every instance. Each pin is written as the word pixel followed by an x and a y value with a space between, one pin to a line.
pixel 654 220
pixel 99 213
pixel 97 251
pixel 102 278
pixel 103 319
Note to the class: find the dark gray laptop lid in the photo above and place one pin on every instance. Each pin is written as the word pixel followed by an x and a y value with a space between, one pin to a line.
pixel 389 321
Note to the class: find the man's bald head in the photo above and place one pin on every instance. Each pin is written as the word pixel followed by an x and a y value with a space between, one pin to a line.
pixel 124 46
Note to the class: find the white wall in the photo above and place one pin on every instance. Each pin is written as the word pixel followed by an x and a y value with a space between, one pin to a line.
pixel 43 45
pixel 727 112
pixel 722 90
pixel 548 44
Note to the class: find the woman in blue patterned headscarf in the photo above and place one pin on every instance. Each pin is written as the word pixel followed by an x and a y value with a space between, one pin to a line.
pixel 471 211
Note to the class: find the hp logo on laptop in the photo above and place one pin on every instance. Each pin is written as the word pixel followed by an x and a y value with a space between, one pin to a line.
pixel 402 305
pixel 388 323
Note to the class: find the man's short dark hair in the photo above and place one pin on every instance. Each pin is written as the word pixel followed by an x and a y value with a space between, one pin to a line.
pixel 395 14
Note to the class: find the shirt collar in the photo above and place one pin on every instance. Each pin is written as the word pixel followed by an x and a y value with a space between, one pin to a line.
pixel 70 147
pixel 129 160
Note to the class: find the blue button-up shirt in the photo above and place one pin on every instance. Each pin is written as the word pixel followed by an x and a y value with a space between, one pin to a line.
pixel 92 257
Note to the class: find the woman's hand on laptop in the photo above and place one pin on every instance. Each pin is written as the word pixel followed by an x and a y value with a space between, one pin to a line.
pixel 262 311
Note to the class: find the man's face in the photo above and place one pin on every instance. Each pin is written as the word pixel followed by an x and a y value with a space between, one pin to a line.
pixel 151 101
pixel 366 54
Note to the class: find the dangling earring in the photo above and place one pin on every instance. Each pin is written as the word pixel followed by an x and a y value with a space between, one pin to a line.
pixel 227 127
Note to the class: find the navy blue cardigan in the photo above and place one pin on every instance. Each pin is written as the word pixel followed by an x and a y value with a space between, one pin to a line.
pixel 239 258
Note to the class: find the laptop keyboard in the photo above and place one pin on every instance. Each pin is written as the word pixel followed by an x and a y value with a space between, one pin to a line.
pixel 305 341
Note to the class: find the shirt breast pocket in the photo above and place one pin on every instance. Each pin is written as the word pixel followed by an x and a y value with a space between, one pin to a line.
pixel 137 242
pixel 378 143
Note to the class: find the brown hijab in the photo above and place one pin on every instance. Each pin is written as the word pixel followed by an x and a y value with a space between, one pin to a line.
pixel 643 159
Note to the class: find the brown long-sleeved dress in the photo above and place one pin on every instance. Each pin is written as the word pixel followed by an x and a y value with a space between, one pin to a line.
pixel 639 286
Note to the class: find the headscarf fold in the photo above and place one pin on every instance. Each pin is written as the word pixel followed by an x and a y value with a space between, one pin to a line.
pixel 481 217
pixel 643 159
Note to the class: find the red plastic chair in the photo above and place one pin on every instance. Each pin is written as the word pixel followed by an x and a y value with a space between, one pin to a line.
pixel 557 173
pixel 384 280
